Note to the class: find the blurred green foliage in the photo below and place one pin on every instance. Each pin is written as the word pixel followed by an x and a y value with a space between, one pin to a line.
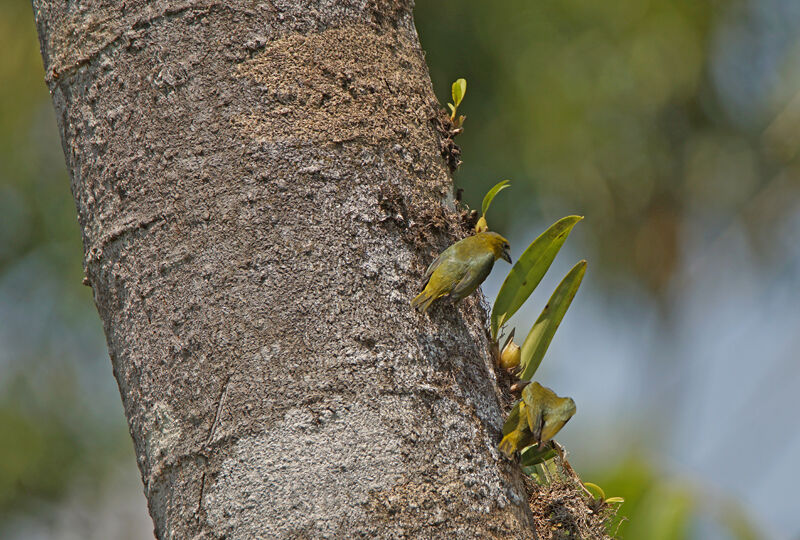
pixel 36 212
pixel 660 508
pixel 54 428
pixel 605 109
pixel 50 439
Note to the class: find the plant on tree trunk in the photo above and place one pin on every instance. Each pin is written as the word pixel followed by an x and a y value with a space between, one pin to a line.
pixel 258 187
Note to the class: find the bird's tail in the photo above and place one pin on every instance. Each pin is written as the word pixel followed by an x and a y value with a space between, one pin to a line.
pixel 510 443
pixel 423 300
pixel 516 441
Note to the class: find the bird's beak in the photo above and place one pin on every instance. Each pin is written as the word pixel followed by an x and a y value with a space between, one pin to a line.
pixel 506 256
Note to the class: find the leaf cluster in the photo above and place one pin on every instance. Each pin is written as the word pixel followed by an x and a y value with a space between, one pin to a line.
pixel 523 361
pixel 523 429
pixel 457 91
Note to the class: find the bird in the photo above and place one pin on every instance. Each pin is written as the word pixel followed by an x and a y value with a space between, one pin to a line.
pixel 535 419
pixel 516 433
pixel 547 413
pixel 461 268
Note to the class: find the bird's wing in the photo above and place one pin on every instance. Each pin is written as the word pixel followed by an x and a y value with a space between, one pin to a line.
pixel 514 418
pixel 434 265
pixel 477 272
pixel 536 422
pixel 550 431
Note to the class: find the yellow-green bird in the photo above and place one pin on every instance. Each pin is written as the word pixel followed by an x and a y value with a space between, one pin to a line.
pixel 547 413
pixel 461 268
pixel 536 419
pixel 516 433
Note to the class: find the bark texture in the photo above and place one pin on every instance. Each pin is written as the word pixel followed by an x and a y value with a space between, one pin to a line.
pixel 260 186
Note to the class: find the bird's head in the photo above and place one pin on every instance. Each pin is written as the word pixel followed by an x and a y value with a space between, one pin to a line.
pixel 499 245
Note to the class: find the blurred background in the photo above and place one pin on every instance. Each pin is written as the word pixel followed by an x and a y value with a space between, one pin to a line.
pixel 672 125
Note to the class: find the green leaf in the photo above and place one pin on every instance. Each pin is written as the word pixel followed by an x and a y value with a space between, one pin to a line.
pixel 545 327
pixel 512 420
pixel 458 90
pixel 487 199
pixel 543 473
pixel 611 500
pixel 533 455
pixel 529 270
pixel 452 110
pixel 596 490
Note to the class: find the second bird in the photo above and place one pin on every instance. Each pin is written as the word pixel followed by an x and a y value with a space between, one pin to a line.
pixel 461 268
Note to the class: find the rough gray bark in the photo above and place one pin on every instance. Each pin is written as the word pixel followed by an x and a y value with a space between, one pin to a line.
pixel 259 187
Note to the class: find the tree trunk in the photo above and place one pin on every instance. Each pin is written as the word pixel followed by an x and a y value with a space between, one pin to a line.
pixel 259 187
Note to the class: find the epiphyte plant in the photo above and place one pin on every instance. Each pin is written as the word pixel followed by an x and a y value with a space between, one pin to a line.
pixel 487 201
pixel 599 496
pixel 541 333
pixel 457 91
pixel 529 270
pixel 510 354
pixel 540 414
